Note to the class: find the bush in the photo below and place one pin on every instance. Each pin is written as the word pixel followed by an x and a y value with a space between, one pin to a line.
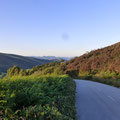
pixel 15 71
pixel 46 69
pixel 72 73
pixel 37 98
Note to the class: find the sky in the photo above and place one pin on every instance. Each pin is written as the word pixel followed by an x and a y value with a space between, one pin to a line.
pixel 58 27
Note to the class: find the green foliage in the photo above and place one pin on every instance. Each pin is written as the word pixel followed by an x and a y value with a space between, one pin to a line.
pixel 112 82
pixel 15 71
pixel 85 76
pixel 37 98
pixel 107 75
pixel 110 78
pixel 46 69
pixel 72 73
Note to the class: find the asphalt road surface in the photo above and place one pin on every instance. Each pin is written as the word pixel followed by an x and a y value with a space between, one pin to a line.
pixel 96 101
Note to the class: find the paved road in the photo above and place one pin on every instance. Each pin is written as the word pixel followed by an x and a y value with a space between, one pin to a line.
pixel 95 101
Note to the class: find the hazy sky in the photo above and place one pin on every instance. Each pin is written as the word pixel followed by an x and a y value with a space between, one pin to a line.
pixel 58 27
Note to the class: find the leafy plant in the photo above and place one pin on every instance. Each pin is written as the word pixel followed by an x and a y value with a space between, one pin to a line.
pixel 36 98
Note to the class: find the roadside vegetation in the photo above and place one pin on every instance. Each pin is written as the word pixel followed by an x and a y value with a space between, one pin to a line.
pixel 37 98
pixel 53 68
pixel 109 79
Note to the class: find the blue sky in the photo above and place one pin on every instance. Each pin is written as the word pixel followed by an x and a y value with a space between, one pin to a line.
pixel 58 27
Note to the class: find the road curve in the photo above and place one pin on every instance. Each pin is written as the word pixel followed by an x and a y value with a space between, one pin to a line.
pixel 96 101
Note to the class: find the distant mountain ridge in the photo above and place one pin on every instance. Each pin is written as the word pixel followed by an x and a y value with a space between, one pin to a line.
pixel 53 58
pixel 9 60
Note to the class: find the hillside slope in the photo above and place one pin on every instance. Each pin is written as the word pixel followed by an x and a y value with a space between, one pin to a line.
pixel 9 60
pixel 101 61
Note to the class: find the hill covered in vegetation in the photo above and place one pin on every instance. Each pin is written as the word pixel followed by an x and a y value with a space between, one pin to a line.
pixel 97 61
pixel 9 60
pixel 98 64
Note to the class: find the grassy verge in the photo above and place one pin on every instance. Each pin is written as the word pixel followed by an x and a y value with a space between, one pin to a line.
pixel 37 98
pixel 109 81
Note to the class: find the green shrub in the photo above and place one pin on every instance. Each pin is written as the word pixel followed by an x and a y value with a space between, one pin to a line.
pixel 15 71
pixel 46 69
pixel 72 73
pixel 37 98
